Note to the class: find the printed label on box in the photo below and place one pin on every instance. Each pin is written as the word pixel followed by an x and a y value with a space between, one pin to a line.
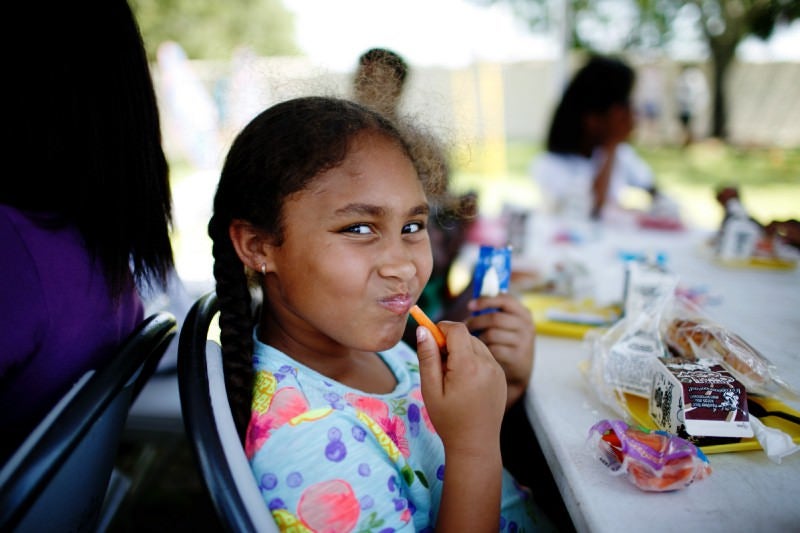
pixel 698 399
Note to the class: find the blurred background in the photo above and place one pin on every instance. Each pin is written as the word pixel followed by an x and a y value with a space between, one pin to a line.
pixel 485 76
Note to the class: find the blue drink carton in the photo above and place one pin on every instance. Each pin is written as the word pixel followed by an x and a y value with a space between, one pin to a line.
pixel 492 271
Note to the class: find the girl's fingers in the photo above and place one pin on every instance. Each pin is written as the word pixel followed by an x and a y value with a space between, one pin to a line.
pixel 423 320
pixel 430 362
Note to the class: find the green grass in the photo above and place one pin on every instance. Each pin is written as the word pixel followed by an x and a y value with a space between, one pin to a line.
pixel 768 179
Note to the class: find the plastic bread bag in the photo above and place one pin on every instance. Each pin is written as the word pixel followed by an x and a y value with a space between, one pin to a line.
pixel 621 358
pixel 775 443
pixel 690 335
pixel 603 371
pixel 654 461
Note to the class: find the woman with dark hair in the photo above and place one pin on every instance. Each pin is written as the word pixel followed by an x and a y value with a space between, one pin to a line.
pixel 88 223
pixel 588 157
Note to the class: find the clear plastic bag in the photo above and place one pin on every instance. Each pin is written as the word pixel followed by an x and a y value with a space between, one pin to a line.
pixel 620 358
pixel 690 335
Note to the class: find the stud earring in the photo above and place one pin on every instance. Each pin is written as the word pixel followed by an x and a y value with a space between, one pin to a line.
pixel 264 269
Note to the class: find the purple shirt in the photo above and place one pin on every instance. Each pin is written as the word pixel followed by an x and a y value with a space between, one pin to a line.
pixel 58 318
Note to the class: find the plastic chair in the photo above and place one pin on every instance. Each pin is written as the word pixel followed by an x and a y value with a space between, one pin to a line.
pixel 58 479
pixel 210 427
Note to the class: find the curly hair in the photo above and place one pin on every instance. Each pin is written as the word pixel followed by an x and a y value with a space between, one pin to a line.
pixel 386 57
pixel 281 152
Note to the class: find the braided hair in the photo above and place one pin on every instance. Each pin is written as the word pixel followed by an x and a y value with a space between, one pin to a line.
pixel 281 152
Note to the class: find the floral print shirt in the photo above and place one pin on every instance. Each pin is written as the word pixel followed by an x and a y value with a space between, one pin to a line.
pixel 331 458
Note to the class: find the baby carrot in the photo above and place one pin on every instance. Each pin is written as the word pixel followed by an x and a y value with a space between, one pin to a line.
pixel 423 320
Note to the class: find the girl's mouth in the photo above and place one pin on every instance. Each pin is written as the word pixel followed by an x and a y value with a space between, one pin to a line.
pixel 397 303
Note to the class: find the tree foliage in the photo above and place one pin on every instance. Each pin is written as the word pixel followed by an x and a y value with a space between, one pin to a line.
pixel 209 29
pixel 651 25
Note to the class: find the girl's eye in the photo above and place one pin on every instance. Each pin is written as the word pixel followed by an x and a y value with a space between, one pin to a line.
pixel 361 229
pixel 413 227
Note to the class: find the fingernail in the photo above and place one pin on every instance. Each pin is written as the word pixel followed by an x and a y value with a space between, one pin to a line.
pixel 422 333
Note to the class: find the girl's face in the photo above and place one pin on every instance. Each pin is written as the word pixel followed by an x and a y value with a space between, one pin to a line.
pixel 355 256
pixel 610 127
pixel 619 122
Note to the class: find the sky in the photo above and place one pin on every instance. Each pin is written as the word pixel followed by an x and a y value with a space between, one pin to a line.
pixel 452 33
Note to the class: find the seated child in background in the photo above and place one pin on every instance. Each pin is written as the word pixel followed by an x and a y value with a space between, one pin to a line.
pixel 322 206
pixel 588 160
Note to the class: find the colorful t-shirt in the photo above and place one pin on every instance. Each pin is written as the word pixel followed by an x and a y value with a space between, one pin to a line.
pixel 331 458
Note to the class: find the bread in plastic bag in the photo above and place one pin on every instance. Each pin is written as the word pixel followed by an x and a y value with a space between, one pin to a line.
pixel 690 335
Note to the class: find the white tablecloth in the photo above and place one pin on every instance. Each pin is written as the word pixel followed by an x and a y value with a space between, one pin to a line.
pixel 746 491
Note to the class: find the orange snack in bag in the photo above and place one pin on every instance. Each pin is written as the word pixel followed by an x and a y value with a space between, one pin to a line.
pixel 654 461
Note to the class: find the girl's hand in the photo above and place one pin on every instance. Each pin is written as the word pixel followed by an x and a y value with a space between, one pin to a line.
pixel 464 393
pixel 787 230
pixel 465 397
pixel 509 334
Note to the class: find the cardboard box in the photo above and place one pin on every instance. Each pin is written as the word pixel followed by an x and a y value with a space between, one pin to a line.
pixel 698 399
pixel 629 365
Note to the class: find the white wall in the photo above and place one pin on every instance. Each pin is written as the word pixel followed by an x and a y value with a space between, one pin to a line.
pixel 514 101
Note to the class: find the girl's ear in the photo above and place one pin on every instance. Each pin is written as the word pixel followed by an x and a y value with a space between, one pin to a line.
pixel 252 245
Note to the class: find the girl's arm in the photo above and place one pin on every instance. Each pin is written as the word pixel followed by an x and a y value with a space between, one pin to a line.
pixel 465 395
pixel 618 126
pixel 602 180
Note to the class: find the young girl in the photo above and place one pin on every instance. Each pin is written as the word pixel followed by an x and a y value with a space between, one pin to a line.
pixel 588 159
pixel 322 205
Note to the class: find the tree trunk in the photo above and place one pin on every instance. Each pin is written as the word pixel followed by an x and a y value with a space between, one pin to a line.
pixel 722 54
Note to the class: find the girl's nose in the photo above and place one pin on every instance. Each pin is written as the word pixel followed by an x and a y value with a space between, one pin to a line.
pixel 397 261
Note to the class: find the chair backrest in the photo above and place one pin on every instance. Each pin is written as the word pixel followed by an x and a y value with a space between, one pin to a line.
pixel 57 478
pixel 210 427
